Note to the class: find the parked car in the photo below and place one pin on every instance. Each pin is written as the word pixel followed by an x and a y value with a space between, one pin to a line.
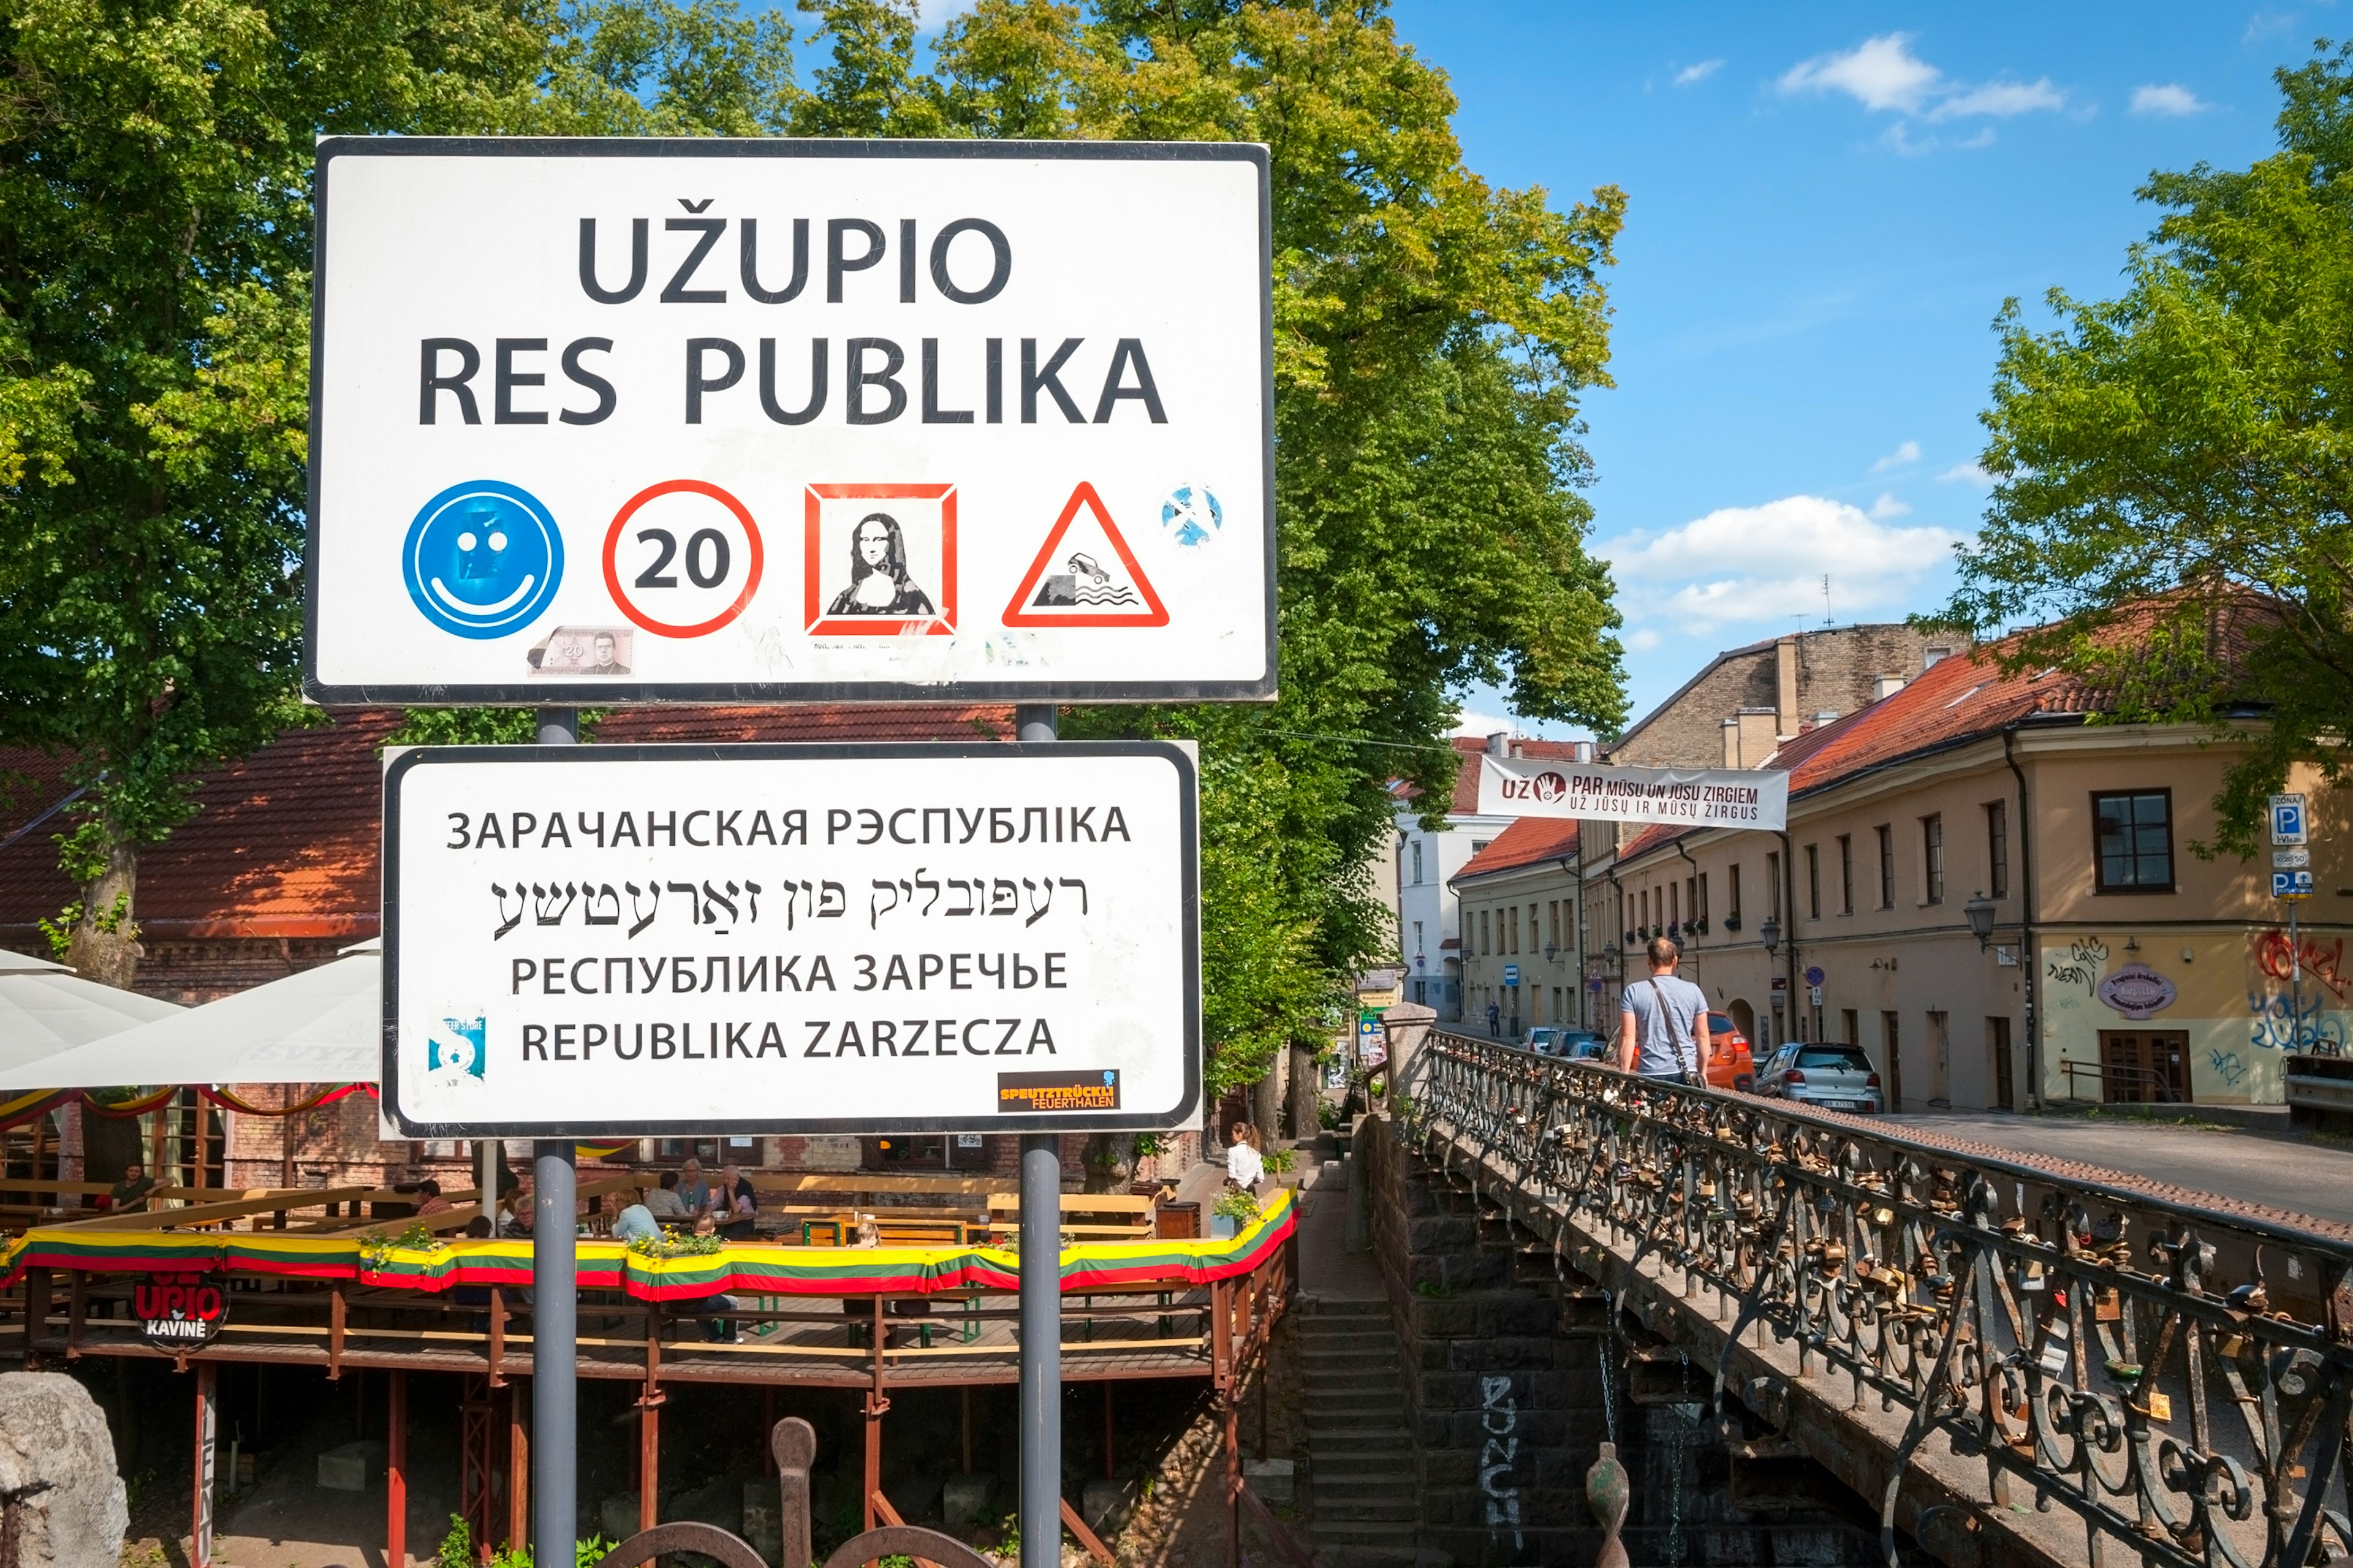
pixel 1552 1041
pixel 1730 1064
pixel 1835 1077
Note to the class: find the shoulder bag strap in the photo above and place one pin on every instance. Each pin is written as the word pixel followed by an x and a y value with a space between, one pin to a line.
pixel 1683 1051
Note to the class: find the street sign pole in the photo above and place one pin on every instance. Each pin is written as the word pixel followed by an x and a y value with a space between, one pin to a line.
pixel 1042 1297
pixel 555 1304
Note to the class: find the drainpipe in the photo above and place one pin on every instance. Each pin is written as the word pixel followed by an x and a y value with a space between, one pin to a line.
pixel 1576 929
pixel 1689 914
pixel 1790 924
pixel 1619 889
pixel 2027 961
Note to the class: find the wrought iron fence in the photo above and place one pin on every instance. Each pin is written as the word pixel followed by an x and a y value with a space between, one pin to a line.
pixel 2178 1376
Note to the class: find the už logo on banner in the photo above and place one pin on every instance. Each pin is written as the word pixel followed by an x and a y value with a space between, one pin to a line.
pixel 180 1312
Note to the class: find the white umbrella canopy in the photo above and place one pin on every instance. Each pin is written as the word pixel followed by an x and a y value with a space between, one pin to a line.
pixel 323 1025
pixel 46 1008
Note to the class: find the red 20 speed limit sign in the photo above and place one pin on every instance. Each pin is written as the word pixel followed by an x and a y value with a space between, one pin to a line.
pixel 682 558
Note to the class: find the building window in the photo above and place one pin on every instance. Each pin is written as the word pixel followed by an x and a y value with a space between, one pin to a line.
pixel 1998 848
pixel 1417 862
pixel 1732 894
pixel 1773 886
pixel 1534 930
pixel 1846 874
pixel 1644 925
pixel 1417 938
pixel 1479 844
pixel 1702 906
pixel 1691 898
pixel 1515 931
pixel 1932 854
pixel 1674 904
pixel 1483 934
pixel 2135 841
pixel 1886 866
pixel 1853 1021
pixel 1814 881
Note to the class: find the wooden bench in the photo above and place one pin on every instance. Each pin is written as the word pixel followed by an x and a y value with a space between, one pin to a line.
pixel 1101 1217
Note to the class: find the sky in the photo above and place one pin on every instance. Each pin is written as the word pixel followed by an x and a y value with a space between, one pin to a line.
pixel 1828 205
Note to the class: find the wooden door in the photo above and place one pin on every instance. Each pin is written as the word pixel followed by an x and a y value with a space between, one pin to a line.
pixel 2143 1066
pixel 1940 1059
pixel 1998 1051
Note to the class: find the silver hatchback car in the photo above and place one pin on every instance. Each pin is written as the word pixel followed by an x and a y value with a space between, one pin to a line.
pixel 1835 1077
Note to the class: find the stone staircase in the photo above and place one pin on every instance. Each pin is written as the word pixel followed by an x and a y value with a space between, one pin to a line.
pixel 1367 1501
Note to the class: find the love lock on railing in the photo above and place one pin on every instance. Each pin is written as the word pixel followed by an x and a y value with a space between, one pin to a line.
pixel 794 1443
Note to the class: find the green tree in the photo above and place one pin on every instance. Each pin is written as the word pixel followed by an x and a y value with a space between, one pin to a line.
pixel 155 341
pixel 2174 467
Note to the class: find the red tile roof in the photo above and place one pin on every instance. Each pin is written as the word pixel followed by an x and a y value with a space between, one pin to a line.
pixel 285 842
pixel 1529 841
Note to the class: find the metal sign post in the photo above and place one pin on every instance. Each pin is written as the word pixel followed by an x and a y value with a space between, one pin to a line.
pixel 2292 883
pixel 1042 1298
pixel 555 1304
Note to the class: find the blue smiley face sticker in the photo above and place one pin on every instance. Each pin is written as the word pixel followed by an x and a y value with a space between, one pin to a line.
pixel 483 559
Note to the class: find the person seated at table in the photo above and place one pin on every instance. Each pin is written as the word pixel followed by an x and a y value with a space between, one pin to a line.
pixel 517 1221
pixel 129 1196
pixel 694 1192
pixel 430 1191
pixel 717 1330
pixel 635 1220
pixel 740 1201
pixel 1245 1167
pixel 663 1201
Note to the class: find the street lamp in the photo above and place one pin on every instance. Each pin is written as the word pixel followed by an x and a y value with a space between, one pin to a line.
pixel 1980 912
pixel 1770 931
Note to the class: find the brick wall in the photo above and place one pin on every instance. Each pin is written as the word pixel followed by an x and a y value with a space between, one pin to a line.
pixel 1836 669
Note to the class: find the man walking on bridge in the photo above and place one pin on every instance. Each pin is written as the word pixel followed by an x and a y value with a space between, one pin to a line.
pixel 1664 1031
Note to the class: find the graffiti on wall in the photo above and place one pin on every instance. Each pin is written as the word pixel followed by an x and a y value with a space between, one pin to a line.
pixel 2080 965
pixel 1499 1418
pixel 2228 1066
pixel 2282 1025
pixel 2278 959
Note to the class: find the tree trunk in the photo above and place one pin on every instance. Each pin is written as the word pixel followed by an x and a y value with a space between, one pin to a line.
pixel 1266 1102
pixel 104 946
pixel 1108 1161
pixel 1306 1093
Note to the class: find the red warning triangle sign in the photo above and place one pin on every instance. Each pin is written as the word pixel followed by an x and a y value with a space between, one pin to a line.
pixel 1081 584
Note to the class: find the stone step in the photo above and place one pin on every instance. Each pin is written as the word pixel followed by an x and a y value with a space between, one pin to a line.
pixel 1321 1380
pixel 1383 1346
pixel 1387 1418
pixel 1365 1532
pixel 1362 1441
pixel 1374 1308
pixel 1356 1480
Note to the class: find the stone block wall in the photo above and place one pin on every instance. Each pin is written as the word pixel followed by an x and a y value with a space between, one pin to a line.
pixel 1509 1398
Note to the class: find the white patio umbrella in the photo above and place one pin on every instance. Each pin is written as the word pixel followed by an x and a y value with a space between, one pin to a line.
pixel 46 1008
pixel 323 1025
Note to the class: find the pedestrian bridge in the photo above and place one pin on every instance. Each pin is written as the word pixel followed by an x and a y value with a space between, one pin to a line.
pixel 2015 1361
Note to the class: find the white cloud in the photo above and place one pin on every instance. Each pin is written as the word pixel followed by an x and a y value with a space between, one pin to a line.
pixel 2170 98
pixel 1909 452
pixel 1887 506
pixel 1698 73
pixel 1965 474
pixel 1641 640
pixel 1480 725
pixel 1765 563
pixel 1883 75
pixel 2002 100
pixel 1878 73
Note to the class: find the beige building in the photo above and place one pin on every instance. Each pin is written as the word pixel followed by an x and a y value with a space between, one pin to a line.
pixel 1522 938
pixel 2118 963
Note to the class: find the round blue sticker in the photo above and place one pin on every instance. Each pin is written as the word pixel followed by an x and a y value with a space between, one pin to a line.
pixel 483 559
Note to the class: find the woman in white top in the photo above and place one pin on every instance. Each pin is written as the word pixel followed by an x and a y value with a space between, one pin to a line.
pixel 1244 1165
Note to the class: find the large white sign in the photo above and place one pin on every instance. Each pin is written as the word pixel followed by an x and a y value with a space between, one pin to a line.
pixel 707 420
pixel 1690 797
pixel 646 940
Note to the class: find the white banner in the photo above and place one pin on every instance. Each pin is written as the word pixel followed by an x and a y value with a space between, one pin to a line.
pixel 1693 797
pixel 624 941
pixel 834 420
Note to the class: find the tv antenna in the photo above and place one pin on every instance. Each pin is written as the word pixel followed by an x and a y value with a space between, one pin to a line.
pixel 1826 599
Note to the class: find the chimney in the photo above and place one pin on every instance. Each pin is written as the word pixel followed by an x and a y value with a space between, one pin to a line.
pixel 1519 747
pixel 1581 752
pixel 1499 744
pixel 1758 736
pixel 1732 742
pixel 1784 686
pixel 1886 686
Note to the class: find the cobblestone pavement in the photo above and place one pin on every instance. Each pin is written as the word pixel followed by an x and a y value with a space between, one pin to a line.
pixel 2297 1178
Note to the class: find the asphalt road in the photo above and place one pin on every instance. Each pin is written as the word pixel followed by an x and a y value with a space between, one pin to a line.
pixel 2256 1167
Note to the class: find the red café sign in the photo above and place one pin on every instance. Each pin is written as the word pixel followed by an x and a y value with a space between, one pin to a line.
pixel 179 1311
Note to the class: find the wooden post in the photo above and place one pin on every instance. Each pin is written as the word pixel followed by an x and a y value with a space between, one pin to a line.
pixel 286 1147
pixel 497 1334
pixel 200 1545
pixel 517 1474
pixel 875 1406
pixel 396 1474
pixel 335 1306
pixel 77 1310
pixel 649 1403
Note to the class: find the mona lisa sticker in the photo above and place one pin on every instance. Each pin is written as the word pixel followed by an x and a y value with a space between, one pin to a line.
pixel 882 560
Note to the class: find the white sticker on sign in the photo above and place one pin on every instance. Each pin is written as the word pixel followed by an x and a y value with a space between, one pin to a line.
pixel 790 419
pixel 607 941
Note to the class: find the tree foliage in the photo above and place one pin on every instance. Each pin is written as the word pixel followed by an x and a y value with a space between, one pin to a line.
pixel 1433 337
pixel 2174 467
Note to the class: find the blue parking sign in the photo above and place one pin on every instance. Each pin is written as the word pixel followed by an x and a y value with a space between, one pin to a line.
pixel 2288 819
pixel 2291 884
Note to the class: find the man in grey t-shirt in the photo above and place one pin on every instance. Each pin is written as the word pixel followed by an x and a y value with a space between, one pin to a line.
pixel 1664 1031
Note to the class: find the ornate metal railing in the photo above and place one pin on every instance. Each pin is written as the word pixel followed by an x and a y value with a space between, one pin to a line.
pixel 2185 1393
